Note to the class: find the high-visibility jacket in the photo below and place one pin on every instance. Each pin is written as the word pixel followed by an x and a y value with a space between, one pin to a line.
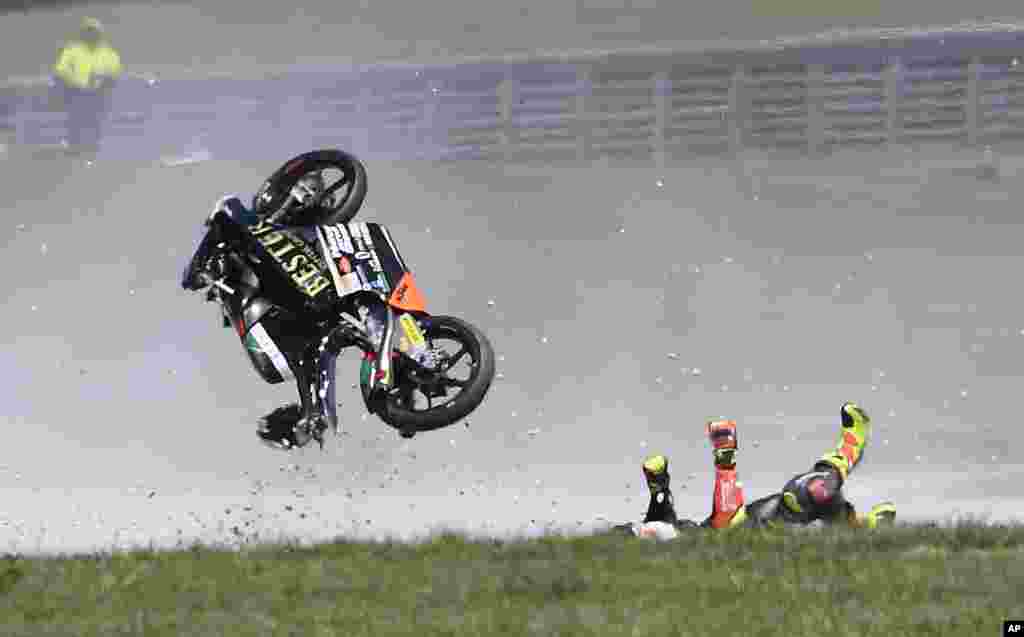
pixel 82 66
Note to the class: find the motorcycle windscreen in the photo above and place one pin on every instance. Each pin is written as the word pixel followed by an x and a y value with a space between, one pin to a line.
pixel 200 252
pixel 366 258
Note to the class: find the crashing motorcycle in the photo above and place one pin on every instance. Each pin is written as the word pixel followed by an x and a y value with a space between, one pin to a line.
pixel 301 282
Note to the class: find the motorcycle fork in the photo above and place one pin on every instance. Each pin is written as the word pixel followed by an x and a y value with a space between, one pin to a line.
pixel 315 377
pixel 383 372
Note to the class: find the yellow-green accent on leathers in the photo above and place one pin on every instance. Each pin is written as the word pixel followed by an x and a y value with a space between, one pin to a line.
pixel 852 440
pixel 738 518
pixel 789 499
pixel 82 66
pixel 724 457
pixel 879 515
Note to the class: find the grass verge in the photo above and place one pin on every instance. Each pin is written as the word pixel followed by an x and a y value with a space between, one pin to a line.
pixel 961 579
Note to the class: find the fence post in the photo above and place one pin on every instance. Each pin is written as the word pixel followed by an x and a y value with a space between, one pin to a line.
pixel 507 95
pixel 816 108
pixel 430 136
pixel 662 96
pixel 363 97
pixel 893 101
pixel 973 106
pixel 738 109
pixel 581 122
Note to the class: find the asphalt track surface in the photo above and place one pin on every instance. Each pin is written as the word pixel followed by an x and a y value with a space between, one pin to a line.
pixel 630 305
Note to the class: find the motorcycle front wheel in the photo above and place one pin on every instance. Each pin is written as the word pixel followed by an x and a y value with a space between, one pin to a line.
pixel 424 402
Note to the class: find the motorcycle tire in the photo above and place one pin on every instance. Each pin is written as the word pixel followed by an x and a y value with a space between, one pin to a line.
pixel 276 188
pixel 478 347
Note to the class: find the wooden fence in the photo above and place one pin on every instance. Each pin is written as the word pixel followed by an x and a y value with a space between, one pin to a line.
pixel 966 87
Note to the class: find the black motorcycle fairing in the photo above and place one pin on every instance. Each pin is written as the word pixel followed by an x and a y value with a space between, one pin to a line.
pixel 217 229
pixel 292 265
pixel 255 309
pixel 288 265
pixel 192 274
pixel 266 344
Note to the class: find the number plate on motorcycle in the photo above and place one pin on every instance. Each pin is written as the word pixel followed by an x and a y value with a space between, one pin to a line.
pixel 412 330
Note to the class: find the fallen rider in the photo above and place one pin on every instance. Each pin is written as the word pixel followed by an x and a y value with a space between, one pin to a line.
pixel 814 495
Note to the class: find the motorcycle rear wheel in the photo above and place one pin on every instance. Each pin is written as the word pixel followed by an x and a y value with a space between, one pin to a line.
pixel 275 189
pixel 397 408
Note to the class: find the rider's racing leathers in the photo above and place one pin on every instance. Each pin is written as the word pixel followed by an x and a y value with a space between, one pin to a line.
pixel 807 497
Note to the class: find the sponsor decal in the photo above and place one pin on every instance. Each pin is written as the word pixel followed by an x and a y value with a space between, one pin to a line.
pixel 344 265
pixel 375 262
pixel 327 252
pixel 266 345
pixel 373 281
pixel 349 283
pixel 412 331
pixel 338 241
pixel 356 232
pixel 252 345
pixel 300 262
pixel 369 256
pixel 407 296
pixel 364 229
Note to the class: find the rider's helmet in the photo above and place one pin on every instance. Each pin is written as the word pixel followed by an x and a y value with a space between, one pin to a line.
pixel 656 473
pixel 90 31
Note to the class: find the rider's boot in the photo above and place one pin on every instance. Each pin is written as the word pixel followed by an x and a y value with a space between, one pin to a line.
pixel 853 437
pixel 727 507
pixel 277 429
